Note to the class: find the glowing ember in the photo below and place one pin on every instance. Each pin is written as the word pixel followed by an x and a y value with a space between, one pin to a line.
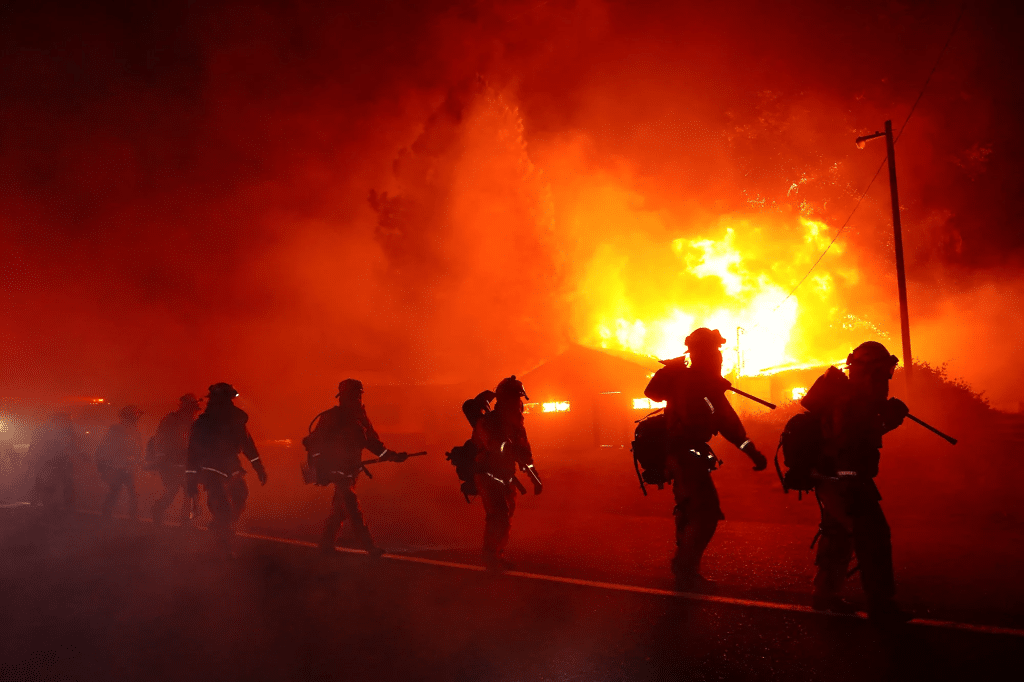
pixel 799 393
pixel 556 407
pixel 647 404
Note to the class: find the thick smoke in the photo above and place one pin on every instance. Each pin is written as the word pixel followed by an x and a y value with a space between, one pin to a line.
pixel 282 196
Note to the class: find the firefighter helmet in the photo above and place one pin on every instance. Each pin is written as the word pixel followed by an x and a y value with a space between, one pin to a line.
pixel 189 400
pixel 222 390
pixel 352 388
pixel 704 338
pixel 872 353
pixel 510 388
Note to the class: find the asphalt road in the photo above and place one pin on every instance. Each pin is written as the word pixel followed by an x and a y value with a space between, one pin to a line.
pixel 85 600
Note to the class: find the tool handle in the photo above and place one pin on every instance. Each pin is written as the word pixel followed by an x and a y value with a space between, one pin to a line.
pixel 365 462
pixel 934 430
pixel 753 397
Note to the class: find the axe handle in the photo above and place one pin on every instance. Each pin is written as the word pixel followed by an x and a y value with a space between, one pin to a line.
pixel 753 397
pixel 421 453
pixel 952 441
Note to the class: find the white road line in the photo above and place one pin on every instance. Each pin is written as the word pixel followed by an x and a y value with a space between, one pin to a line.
pixel 395 557
pixel 636 589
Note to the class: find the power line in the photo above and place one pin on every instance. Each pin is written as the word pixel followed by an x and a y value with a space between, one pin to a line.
pixel 913 107
pixel 838 232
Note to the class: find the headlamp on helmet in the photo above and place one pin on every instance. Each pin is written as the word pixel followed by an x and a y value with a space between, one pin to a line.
pixel 222 390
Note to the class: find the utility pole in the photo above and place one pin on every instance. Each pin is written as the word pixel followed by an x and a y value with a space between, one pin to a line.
pixel 897 230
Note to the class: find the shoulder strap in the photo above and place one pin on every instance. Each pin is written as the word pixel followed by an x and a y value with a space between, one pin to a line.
pixel 318 417
pixel 778 469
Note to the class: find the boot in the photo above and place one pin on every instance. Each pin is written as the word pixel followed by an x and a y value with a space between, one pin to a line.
pixel 695 582
pixel 688 577
pixel 494 562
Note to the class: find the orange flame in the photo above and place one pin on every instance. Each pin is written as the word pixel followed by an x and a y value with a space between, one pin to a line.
pixel 736 278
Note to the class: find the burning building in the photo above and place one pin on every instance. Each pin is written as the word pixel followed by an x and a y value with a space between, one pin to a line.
pixel 585 398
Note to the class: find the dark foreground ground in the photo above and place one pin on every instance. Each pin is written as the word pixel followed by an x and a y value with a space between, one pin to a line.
pixel 88 601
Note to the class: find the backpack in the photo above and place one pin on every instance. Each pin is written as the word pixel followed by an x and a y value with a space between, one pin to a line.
pixel 314 444
pixel 463 458
pixel 801 444
pixel 650 450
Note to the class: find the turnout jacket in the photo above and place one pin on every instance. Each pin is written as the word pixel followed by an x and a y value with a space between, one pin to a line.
pixel 120 447
pixel 216 438
pixel 852 425
pixel 340 436
pixel 697 408
pixel 169 445
pixel 501 444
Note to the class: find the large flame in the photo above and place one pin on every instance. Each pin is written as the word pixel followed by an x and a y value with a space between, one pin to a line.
pixel 737 278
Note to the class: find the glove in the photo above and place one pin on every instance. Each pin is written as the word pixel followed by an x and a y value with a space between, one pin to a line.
pixel 261 473
pixel 759 460
pixel 392 456
pixel 468 489
pixel 896 411
pixel 538 485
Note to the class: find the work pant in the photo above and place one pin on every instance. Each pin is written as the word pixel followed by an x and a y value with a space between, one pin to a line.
pixel 173 480
pixel 225 497
pixel 697 509
pixel 852 523
pixel 116 479
pixel 345 505
pixel 499 506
